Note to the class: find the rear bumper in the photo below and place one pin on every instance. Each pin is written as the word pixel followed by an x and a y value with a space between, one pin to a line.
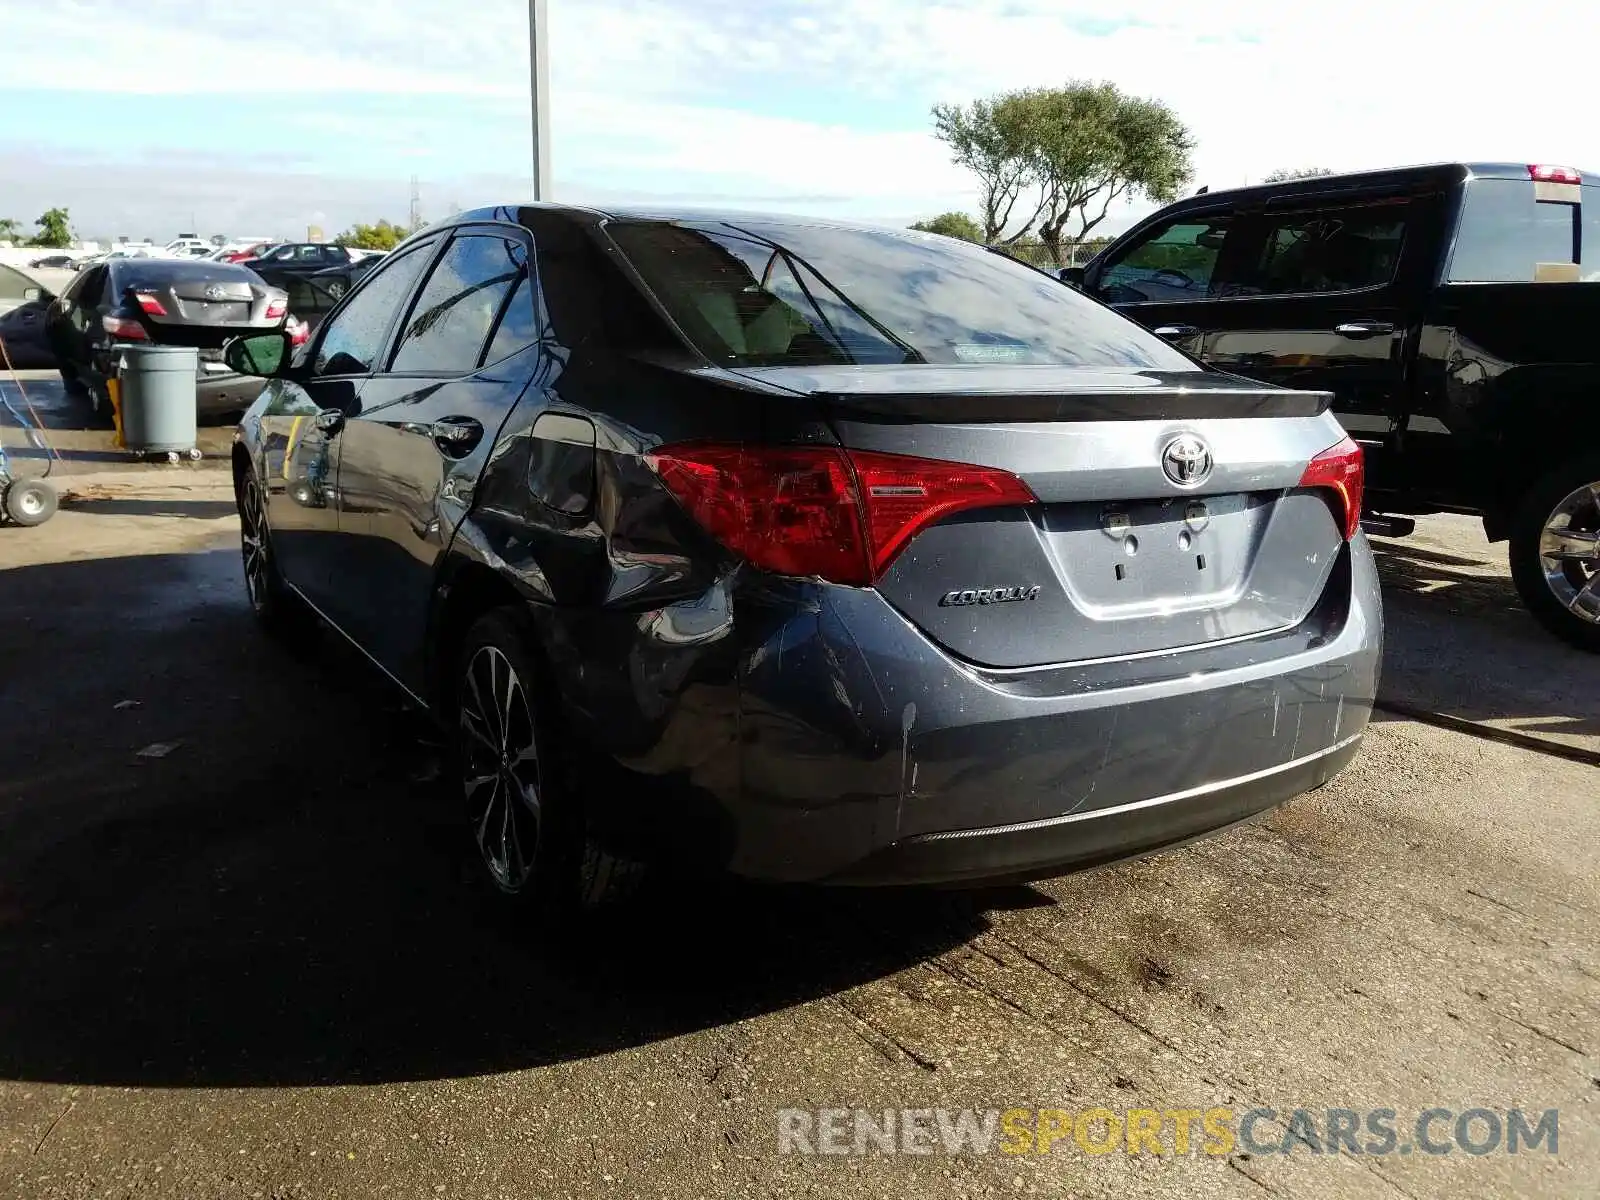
pixel 869 756
pixel 1079 841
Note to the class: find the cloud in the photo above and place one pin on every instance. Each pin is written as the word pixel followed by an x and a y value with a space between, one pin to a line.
pixel 826 102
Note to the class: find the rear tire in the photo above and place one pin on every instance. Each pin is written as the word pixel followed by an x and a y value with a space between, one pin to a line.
pixel 517 778
pixel 1555 556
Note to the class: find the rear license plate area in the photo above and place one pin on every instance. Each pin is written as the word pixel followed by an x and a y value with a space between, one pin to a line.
pixel 1118 554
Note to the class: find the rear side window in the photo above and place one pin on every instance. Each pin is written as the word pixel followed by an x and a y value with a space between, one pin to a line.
pixel 453 317
pixel 1332 250
pixel 1175 265
pixel 1506 233
pixel 760 293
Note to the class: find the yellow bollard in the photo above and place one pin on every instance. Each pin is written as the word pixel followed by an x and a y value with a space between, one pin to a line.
pixel 114 390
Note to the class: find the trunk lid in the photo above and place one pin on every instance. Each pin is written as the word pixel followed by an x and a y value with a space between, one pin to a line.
pixel 1121 555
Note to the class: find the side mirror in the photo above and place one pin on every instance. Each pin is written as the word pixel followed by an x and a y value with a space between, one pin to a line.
pixel 29 295
pixel 264 354
pixel 1071 276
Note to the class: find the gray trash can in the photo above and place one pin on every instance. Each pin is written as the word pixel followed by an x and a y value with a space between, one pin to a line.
pixel 156 389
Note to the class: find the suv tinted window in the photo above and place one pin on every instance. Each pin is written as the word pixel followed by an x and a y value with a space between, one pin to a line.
pixel 761 293
pixel 1505 232
pixel 353 338
pixel 1331 250
pixel 448 327
pixel 1174 265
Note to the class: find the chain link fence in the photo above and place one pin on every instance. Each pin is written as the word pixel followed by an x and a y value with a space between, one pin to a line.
pixel 1035 253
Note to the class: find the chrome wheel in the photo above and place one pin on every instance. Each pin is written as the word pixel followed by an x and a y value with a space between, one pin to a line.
pixel 500 767
pixel 30 503
pixel 253 540
pixel 1569 553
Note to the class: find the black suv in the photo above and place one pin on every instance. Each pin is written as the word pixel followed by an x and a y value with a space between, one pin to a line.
pixel 1450 309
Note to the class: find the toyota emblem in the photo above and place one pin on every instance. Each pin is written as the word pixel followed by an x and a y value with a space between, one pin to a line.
pixel 1187 460
pixel 216 292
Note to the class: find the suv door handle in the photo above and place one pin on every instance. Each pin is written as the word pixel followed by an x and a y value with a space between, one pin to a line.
pixel 1364 329
pixel 1175 331
pixel 329 420
pixel 456 436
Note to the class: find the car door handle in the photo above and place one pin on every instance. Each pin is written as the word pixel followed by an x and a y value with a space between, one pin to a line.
pixel 1175 331
pixel 456 436
pixel 329 420
pixel 1364 329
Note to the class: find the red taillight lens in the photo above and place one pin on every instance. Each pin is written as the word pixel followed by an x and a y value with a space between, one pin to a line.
pixel 1342 470
pixel 819 510
pixel 150 304
pixel 277 308
pixel 124 329
pixel 1545 173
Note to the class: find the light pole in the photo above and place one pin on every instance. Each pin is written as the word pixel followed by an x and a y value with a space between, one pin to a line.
pixel 539 59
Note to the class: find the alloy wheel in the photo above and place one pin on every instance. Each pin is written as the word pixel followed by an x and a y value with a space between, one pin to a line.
pixel 253 540
pixel 1569 552
pixel 500 767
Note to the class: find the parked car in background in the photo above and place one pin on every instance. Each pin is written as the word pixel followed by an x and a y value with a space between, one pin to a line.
pixel 24 301
pixel 166 301
pixel 244 250
pixel 1449 309
pixel 298 258
pixel 53 262
pixel 810 552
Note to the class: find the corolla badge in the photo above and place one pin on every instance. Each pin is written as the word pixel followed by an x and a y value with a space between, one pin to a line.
pixel 998 595
pixel 1187 460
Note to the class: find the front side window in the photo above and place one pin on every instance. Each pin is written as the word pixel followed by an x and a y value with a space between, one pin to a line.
pixel 447 329
pixel 1506 233
pixel 758 293
pixel 1333 250
pixel 1175 265
pixel 353 338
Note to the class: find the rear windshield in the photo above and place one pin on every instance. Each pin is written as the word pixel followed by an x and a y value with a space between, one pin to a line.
pixel 1506 233
pixel 761 293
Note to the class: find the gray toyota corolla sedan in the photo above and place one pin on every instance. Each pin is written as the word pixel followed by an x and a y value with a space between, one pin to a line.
pixel 808 552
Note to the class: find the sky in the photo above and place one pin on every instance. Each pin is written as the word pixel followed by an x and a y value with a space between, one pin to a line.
pixel 162 116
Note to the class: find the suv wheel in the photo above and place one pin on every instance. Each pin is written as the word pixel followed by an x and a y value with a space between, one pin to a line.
pixel 515 774
pixel 1555 552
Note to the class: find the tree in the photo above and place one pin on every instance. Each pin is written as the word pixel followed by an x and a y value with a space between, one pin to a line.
pixel 952 224
pixel 55 230
pixel 11 231
pixel 1073 151
pixel 991 139
pixel 1285 174
pixel 385 235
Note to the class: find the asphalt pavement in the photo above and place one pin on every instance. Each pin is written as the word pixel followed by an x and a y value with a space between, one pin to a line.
pixel 242 953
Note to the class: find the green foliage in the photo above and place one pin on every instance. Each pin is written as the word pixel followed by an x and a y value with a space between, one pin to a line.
pixel 952 224
pixel 1073 151
pixel 991 139
pixel 11 231
pixel 1285 174
pixel 55 230
pixel 383 236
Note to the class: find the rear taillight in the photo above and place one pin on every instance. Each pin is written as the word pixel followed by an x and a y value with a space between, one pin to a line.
pixel 150 304
pixel 1544 173
pixel 277 308
pixel 124 329
pixel 820 510
pixel 1342 470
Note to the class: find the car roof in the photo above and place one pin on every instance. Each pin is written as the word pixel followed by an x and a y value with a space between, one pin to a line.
pixel 1442 173
pixel 520 214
